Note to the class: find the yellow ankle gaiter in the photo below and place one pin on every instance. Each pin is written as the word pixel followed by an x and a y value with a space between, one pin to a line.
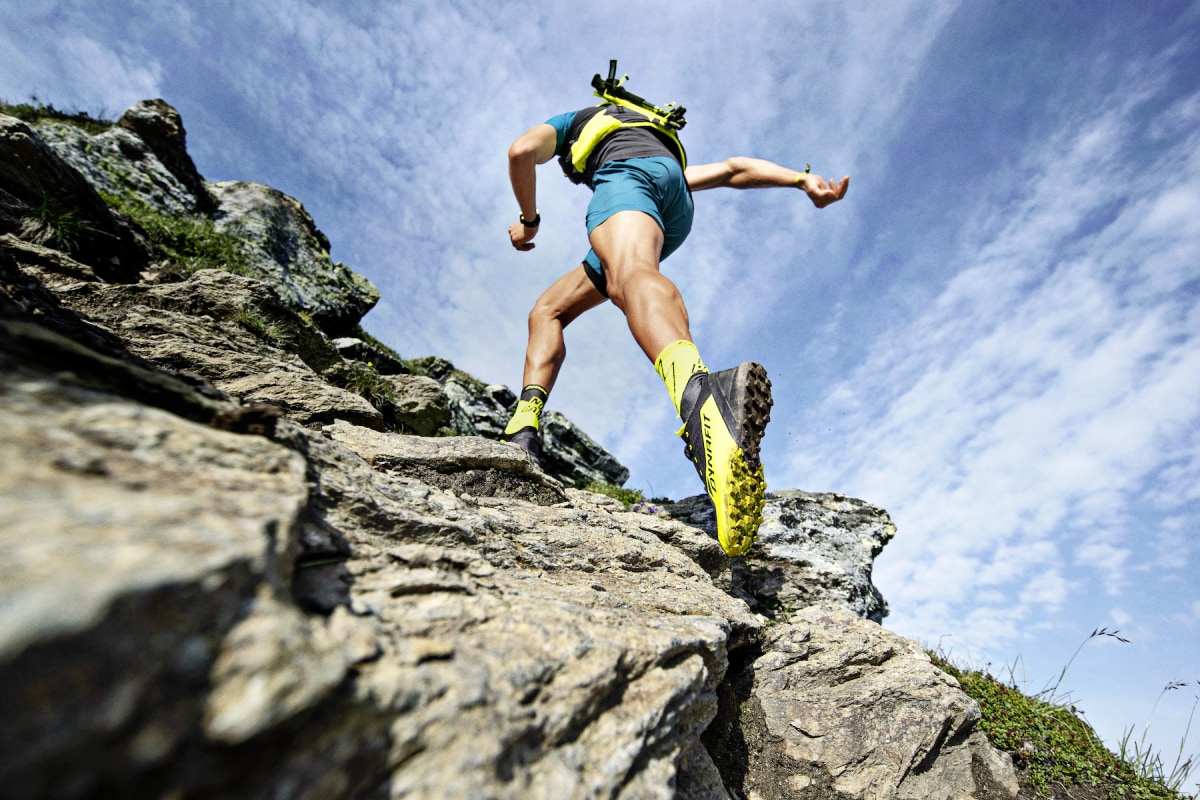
pixel 678 362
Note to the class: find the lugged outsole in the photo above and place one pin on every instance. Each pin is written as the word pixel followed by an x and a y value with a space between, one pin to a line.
pixel 743 395
pixel 747 499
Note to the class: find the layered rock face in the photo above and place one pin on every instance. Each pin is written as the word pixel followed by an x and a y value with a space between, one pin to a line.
pixel 236 571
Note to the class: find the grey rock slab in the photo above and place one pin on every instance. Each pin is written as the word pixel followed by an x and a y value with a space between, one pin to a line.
pixel 211 325
pixel 462 464
pixel 303 396
pixel 274 663
pixel 132 539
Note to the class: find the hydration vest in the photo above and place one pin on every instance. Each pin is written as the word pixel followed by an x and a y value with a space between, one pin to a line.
pixel 590 141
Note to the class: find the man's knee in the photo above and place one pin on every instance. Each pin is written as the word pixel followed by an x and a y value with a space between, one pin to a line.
pixel 549 309
pixel 539 314
pixel 648 283
pixel 548 306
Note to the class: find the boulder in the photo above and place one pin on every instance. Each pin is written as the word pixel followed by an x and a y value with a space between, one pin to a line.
pixel 284 247
pixel 160 127
pixel 420 405
pixel 812 549
pixel 835 707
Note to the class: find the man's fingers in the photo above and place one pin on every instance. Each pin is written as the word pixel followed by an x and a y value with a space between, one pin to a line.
pixel 517 234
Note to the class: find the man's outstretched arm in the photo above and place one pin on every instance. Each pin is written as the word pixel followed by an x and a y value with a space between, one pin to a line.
pixel 741 172
pixel 534 146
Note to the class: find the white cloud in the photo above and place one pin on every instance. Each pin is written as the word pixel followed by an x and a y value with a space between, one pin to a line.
pixel 73 71
pixel 1055 374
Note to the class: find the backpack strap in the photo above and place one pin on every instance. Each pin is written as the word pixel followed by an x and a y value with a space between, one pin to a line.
pixel 613 91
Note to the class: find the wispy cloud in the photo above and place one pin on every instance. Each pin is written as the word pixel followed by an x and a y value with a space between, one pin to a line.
pixel 1029 406
pixel 74 70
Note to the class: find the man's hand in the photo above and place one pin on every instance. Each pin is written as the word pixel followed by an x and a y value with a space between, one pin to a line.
pixel 522 235
pixel 820 192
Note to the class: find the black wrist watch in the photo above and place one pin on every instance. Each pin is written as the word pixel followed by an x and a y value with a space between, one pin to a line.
pixel 533 223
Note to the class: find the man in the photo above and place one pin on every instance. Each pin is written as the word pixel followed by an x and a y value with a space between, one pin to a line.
pixel 640 212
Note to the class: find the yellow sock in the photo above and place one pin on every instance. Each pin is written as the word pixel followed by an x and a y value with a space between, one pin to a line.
pixel 529 410
pixel 677 363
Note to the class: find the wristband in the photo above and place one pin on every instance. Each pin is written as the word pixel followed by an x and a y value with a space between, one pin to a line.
pixel 537 220
pixel 800 177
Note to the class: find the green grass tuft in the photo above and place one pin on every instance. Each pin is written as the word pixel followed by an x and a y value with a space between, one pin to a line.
pixel 363 380
pixel 627 496
pixel 252 318
pixel 36 113
pixel 1050 742
pixel 1150 764
pixel 188 243
pixel 63 228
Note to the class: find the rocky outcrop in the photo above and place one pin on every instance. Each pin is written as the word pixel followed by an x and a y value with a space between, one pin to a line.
pixel 143 159
pixel 287 250
pixel 44 200
pixel 143 155
pixel 228 577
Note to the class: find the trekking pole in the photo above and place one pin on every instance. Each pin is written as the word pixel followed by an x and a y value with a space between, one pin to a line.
pixel 612 89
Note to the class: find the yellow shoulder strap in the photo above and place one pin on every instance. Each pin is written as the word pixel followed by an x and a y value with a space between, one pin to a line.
pixel 594 130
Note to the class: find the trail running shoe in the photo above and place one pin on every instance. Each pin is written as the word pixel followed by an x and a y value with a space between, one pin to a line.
pixel 529 440
pixel 729 412
pixel 524 429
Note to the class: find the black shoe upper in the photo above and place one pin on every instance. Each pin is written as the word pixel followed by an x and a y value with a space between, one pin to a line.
pixel 529 440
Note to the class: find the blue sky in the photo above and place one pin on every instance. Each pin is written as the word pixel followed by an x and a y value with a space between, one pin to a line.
pixel 996 336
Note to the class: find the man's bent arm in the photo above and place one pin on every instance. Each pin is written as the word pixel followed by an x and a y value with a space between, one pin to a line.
pixel 741 172
pixel 535 146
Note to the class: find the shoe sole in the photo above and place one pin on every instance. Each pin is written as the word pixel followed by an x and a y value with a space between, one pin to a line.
pixel 743 399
